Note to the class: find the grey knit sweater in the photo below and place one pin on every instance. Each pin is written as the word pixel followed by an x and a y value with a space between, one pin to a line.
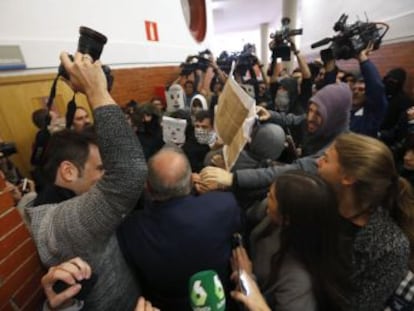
pixel 84 226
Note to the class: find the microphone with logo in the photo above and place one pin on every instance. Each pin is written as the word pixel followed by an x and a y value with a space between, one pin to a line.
pixel 207 292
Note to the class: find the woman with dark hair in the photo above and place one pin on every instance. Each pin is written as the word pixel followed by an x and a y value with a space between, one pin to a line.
pixel 296 249
pixel 377 209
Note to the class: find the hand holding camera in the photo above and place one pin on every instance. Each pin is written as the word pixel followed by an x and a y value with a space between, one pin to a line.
pixel 87 77
pixel 70 274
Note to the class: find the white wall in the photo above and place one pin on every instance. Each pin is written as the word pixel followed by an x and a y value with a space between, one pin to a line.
pixel 234 41
pixel 43 28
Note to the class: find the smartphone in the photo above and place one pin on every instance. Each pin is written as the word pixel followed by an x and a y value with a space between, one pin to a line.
pixel 87 286
pixel 243 282
pixel 25 186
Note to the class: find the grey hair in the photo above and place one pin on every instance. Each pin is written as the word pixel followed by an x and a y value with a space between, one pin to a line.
pixel 162 190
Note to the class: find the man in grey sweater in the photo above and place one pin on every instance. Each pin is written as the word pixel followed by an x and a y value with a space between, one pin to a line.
pixel 84 225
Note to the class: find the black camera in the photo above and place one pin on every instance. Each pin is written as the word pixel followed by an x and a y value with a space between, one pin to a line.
pixel 246 59
pixel 281 37
pixel 86 289
pixel 351 39
pixel 7 149
pixel 225 60
pixel 196 62
pixel 90 42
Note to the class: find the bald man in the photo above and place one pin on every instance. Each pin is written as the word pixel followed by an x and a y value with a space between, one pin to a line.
pixel 178 233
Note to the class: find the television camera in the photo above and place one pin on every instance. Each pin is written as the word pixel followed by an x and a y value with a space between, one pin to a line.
pixel 351 39
pixel 281 40
pixel 196 62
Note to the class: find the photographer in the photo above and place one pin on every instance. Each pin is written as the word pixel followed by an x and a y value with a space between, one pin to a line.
pixel 369 103
pixel 285 91
pixel 83 218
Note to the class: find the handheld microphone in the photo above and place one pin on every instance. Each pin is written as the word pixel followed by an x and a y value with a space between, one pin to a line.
pixel 207 292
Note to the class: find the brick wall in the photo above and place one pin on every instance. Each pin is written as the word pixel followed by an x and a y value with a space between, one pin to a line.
pixel 388 57
pixel 139 83
pixel 20 268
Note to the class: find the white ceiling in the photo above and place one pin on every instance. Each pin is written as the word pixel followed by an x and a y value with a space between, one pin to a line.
pixel 240 15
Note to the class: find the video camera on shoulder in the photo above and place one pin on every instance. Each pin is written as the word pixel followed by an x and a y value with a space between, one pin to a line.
pixel 281 48
pixel 247 59
pixel 351 39
pixel 196 62
pixel 225 60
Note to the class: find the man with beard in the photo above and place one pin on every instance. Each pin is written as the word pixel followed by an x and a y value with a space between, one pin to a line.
pixel 326 118
pixel 81 119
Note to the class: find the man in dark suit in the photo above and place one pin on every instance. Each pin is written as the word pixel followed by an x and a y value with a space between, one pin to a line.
pixel 178 233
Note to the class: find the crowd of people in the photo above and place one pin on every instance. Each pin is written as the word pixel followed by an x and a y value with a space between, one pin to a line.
pixel 137 203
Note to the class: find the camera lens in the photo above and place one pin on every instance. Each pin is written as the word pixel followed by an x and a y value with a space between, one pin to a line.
pixel 91 42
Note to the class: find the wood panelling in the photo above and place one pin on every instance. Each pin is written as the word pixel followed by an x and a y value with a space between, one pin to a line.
pixel 21 95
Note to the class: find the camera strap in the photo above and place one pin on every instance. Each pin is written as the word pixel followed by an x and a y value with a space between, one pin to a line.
pixel 70 112
pixel 50 100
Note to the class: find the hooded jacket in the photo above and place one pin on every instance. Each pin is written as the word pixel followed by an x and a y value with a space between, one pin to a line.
pixel 334 104
pixel 267 143
pixel 202 100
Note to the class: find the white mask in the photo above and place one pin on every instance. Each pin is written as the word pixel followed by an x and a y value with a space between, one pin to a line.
pixel 204 137
pixel 173 130
pixel 249 89
pixel 175 98
pixel 282 101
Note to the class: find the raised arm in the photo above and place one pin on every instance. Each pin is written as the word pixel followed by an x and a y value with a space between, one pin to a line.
pixel 78 225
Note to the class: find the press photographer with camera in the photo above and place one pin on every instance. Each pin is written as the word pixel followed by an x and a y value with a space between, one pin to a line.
pixel 196 75
pixel 358 40
pixel 288 97
pixel 369 102
pixel 84 223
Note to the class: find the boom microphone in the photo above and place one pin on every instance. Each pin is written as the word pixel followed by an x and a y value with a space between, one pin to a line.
pixel 207 292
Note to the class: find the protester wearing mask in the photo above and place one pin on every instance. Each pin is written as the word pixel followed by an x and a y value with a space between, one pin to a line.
pixel 147 121
pixel 204 139
pixel 282 98
pixel 175 97
pixel 394 127
pixel 288 97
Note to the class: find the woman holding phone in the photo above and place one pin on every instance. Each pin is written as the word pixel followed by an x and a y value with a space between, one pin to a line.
pixel 295 250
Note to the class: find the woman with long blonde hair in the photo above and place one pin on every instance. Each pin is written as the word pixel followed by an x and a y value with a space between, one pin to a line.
pixel 377 207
